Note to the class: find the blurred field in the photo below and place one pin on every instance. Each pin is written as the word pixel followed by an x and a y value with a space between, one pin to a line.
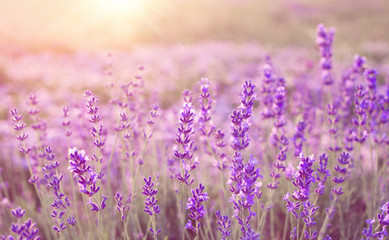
pixel 75 25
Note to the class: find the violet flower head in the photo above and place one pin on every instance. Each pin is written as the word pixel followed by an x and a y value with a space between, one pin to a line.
pixel 322 173
pixel 18 212
pixel 371 77
pixel 267 90
pixel 360 111
pixel 251 235
pixel 219 150
pixel 304 178
pixel 224 225
pixel 19 127
pixel 27 230
pixel 247 99
pixel 120 206
pixel 183 151
pixel 205 107
pixel 383 217
pixel 342 171
pixel 86 177
pixel 324 40
pixel 239 133
pixel 298 137
pixel 66 122
pixel 307 215
pixel 196 206
pixel 246 189
pixel 333 119
pixel 151 206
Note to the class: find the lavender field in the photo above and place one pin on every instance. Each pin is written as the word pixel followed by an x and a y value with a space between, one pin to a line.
pixel 208 139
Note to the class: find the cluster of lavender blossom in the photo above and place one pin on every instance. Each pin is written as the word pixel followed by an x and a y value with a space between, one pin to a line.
pixel 195 183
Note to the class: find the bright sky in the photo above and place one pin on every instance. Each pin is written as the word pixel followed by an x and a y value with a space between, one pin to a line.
pixel 81 23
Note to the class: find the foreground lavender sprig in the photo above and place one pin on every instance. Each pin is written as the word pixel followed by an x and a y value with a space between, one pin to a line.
pixel 324 40
pixel 61 201
pixel 383 222
pixel 206 101
pixel 183 150
pixel 24 231
pixel 224 225
pixel 86 177
pixel 341 173
pixel 243 180
pixel 151 206
pixel 197 210
pixel 303 180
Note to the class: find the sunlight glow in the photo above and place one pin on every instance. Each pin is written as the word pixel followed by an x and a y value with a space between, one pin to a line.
pixel 117 8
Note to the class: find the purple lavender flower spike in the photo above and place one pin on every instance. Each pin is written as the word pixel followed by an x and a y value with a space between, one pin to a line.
pixel 324 40
pixel 196 207
pixel 206 101
pixel 151 207
pixel 224 225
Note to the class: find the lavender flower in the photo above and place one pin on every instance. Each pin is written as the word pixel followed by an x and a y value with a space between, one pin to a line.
pixel 267 92
pixel 322 173
pixel 298 138
pixel 61 201
pixel 196 207
pixel 224 225
pixel 120 206
pixel 307 215
pixel 206 101
pixel 86 177
pixel 304 178
pixel 342 172
pixel 333 120
pixel 324 40
pixel 26 231
pixel 360 121
pixel 246 190
pixel 151 206
pixel 183 149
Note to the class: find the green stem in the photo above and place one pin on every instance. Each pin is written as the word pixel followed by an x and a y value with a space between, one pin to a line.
pixel 323 228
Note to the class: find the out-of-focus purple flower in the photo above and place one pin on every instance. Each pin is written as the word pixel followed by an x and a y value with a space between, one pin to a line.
pixel 206 101
pixel 298 137
pixel 120 206
pixel 196 206
pixel 86 177
pixel 224 225
pixel 247 99
pixel 218 149
pixel 183 151
pixel 383 217
pixel 304 178
pixel 61 201
pixel 307 215
pixel 360 111
pixel 342 171
pixel 246 190
pixel 66 122
pixel 374 233
pixel 333 119
pixel 324 40
pixel 26 230
pixel 151 206
pixel 322 173
pixel 251 235
pixel 267 92
pixel 18 212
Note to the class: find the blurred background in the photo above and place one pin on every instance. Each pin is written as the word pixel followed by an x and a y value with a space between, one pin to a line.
pixel 62 46
pixel 68 25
